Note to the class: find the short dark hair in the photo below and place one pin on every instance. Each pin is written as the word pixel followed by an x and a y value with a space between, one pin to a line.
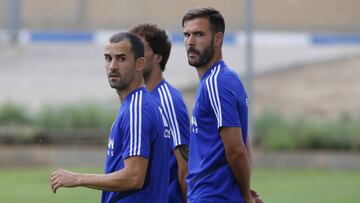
pixel 137 47
pixel 216 20
pixel 157 39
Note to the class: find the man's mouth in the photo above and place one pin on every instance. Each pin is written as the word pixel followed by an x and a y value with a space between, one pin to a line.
pixel 192 52
pixel 114 76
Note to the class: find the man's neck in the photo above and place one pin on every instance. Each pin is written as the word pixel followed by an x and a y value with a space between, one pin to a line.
pixel 153 79
pixel 202 70
pixel 137 83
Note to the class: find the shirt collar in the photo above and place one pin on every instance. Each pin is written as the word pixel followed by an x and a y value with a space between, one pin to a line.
pixel 207 73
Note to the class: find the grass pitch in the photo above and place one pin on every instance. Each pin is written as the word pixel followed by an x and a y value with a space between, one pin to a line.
pixel 274 185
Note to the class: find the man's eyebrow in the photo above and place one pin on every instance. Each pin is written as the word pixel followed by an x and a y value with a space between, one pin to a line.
pixel 120 55
pixel 194 32
pixel 116 55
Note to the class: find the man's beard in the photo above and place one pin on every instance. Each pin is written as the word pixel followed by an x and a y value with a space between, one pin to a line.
pixel 203 58
pixel 146 73
pixel 148 68
pixel 123 81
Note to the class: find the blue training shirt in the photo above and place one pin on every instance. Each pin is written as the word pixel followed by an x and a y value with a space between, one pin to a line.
pixel 221 101
pixel 139 131
pixel 175 110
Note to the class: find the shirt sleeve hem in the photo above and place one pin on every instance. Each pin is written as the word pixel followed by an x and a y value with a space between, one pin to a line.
pixel 142 155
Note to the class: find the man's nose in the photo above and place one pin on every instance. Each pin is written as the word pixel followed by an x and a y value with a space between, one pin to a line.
pixel 112 64
pixel 190 41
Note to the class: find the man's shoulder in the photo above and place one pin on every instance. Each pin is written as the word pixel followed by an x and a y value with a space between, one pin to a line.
pixel 228 78
pixel 222 76
pixel 143 102
pixel 170 86
pixel 149 102
pixel 226 71
pixel 171 91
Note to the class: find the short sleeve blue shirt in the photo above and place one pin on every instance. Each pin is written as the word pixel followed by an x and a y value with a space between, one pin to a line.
pixel 139 131
pixel 221 101
pixel 174 109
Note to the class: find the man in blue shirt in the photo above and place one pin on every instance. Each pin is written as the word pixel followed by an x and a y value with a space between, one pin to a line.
pixel 219 168
pixel 136 167
pixel 157 50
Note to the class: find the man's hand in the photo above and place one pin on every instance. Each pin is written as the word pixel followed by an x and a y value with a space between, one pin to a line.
pixel 62 178
pixel 255 196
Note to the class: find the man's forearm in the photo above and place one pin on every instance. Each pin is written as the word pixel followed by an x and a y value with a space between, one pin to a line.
pixel 131 177
pixel 109 182
pixel 239 164
pixel 249 154
pixel 237 158
pixel 181 154
pixel 183 187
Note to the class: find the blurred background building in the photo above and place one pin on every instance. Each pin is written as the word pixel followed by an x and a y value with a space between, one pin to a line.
pixel 277 15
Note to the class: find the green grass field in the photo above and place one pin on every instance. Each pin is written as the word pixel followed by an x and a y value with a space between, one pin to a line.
pixel 275 186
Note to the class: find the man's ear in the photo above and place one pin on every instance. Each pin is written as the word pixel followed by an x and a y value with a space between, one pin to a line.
pixel 157 58
pixel 218 39
pixel 140 63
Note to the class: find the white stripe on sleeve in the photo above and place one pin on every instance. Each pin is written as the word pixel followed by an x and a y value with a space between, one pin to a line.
pixel 131 123
pixel 166 107
pixel 135 122
pixel 212 89
pixel 165 112
pixel 217 99
pixel 173 114
pixel 140 119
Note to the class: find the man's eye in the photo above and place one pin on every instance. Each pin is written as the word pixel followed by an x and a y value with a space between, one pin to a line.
pixel 121 58
pixel 107 58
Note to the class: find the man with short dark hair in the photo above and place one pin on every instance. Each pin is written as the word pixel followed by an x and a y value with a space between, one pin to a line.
pixel 136 167
pixel 219 168
pixel 157 50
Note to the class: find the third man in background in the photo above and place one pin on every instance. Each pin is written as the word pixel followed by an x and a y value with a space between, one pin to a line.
pixel 157 50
